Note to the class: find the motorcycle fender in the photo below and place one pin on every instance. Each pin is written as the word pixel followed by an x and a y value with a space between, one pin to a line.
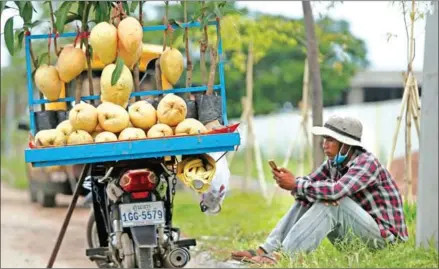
pixel 145 236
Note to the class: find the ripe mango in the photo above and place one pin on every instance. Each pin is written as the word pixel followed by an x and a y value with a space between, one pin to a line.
pixel 171 64
pixel 120 92
pixel 70 64
pixel 130 34
pixel 48 81
pixel 103 40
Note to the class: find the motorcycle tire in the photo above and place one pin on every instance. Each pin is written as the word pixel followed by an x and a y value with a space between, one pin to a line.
pixel 91 233
pixel 144 257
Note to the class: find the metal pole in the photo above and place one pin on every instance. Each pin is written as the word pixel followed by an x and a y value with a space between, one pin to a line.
pixel 427 196
pixel 68 216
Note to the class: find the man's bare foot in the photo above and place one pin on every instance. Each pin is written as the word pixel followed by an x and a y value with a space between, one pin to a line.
pixel 247 254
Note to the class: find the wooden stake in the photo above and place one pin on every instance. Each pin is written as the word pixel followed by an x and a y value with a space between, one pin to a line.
pixel 398 124
pixel 259 166
pixel 249 99
pixel 416 107
pixel 417 101
pixel 249 147
pixel 410 101
pixel 304 128
pixel 243 118
pixel 305 110
pixel 304 122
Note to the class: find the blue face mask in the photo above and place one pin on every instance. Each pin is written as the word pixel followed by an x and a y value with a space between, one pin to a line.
pixel 339 158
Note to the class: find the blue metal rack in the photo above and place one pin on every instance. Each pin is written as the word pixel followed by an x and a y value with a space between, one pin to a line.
pixel 136 149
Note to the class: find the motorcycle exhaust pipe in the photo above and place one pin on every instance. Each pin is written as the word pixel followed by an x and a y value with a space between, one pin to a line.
pixel 177 258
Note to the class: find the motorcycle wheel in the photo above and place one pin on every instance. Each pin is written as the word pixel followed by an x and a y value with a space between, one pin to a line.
pixel 93 239
pixel 144 257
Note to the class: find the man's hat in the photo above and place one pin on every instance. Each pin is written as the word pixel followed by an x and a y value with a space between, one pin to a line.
pixel 347 130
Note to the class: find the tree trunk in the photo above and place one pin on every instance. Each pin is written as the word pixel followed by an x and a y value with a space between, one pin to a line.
pixel 316 81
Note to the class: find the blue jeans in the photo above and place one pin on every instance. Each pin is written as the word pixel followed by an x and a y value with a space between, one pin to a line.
pixel 302 229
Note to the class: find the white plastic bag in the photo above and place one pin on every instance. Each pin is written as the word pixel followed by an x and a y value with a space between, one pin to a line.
pixel 212 200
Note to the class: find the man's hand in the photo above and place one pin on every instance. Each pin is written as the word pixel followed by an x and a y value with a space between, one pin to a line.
pixel 285 179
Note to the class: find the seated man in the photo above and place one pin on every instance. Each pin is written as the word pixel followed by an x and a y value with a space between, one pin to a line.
pixel 349 194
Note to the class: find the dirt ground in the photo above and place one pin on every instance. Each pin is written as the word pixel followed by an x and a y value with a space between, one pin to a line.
pixel 29 233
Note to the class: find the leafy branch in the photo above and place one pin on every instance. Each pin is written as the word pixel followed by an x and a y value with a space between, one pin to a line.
pixel 136 66
pixel 204 42
pixel 88 6
pixel 14 37
pixel 189 66
pixel 55 43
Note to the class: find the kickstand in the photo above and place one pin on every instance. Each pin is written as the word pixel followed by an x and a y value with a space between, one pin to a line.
pixel 72 206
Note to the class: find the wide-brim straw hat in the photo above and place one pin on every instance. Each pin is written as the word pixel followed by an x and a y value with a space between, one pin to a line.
pixel 345 129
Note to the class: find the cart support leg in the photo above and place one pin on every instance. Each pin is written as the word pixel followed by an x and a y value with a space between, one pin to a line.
pixel 68 216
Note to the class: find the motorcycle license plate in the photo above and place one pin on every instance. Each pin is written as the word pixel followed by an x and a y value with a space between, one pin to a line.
pixel 142 214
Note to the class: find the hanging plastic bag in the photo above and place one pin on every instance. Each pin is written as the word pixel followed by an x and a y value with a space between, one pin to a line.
pixel 212 200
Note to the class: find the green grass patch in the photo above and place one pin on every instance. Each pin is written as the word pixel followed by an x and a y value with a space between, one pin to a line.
pixel 245 221
pixel 14 171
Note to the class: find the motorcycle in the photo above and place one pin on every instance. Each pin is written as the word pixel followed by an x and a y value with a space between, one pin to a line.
pixel 130 225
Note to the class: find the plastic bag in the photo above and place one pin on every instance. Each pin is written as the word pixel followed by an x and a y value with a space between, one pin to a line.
pixel 212 200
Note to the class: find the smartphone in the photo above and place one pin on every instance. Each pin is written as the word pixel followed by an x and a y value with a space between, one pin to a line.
pixel 273 165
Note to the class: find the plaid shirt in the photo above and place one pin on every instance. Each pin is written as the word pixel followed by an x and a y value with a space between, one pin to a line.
pixel 366 182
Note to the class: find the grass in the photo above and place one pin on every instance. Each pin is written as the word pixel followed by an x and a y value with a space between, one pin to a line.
pixel 246 221
pixel 13 171
pixel 238 166
pixel 13 165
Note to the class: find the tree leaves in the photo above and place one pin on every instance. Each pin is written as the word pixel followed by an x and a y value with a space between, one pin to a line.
pixel 134 5
pixel 14 41
pixel 20 5
pixel 126 7
pixel 44 57
pixel 9 35
pixel 2 6
pixel 81 7
pixel 61 15
pixel 117 71
pixel 19 35
pixel 102 12
pixel 27 12
pixel 33 24
pixel 72 17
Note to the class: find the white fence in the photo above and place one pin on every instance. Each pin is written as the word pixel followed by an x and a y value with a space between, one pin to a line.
pixel 275 132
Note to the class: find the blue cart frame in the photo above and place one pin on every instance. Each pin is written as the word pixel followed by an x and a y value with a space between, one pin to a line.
pixel 136 149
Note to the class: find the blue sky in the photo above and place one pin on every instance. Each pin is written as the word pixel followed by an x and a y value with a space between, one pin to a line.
pixel 370 20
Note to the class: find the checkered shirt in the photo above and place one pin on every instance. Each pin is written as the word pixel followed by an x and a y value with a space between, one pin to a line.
pixel 366 182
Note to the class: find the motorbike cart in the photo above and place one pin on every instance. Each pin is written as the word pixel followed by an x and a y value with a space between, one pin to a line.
pixel 132 183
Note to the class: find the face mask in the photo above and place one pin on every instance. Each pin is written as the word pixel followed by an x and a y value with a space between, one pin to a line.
pixel 339 158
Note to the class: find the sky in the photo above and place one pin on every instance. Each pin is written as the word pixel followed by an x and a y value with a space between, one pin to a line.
pixel 371 21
